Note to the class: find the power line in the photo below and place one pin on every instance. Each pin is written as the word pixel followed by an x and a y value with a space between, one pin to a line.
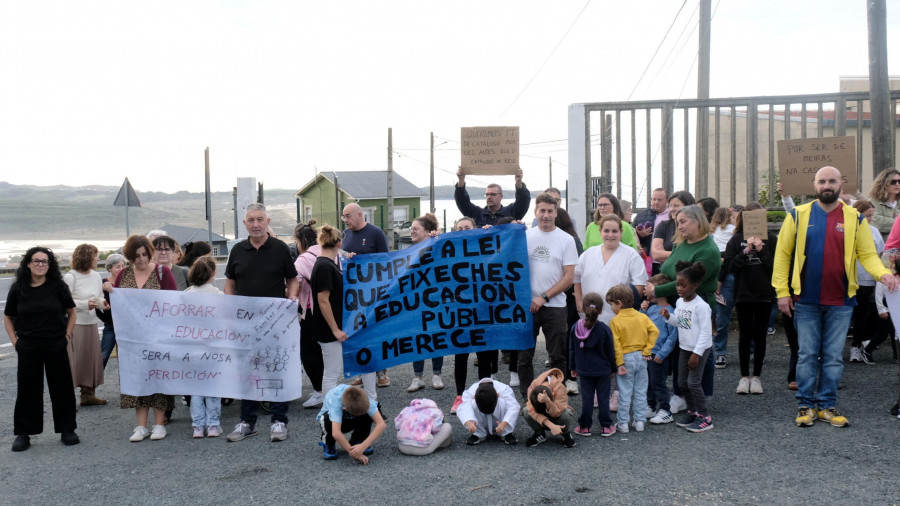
pixel 547 59
pixel 656 52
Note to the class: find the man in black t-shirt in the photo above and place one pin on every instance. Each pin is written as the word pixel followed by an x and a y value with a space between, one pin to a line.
pixel 361 238
pixel 260 266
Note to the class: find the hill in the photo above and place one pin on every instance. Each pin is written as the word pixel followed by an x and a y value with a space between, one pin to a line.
pixel 65 212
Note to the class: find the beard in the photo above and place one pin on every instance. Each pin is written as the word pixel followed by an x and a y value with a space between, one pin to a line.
pixel 827 196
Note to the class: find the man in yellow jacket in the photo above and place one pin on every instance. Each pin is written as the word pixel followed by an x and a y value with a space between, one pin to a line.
pixel 818 247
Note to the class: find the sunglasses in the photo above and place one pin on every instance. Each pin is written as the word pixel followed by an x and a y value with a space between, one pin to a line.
pixel 895 181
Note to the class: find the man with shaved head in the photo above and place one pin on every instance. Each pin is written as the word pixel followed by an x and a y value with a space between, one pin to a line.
pixel 361 238
pixel 814 276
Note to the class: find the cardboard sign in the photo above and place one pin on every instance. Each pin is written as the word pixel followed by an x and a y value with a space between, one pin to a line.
pixel 205 344
pixel 755 223
pixel 800 159
pixel 460 292
pixel 489 151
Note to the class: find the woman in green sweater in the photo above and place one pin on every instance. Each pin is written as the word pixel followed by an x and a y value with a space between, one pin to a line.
pixel 607 203
pixel 692 244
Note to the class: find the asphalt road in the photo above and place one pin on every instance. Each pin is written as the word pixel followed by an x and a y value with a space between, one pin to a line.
pixel 755 455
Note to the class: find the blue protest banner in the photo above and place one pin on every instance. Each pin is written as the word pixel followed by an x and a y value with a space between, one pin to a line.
pixel 459 292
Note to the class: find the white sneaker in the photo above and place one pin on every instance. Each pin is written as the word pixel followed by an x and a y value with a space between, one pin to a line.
pixel 159 432
pixel 140 432
pixel 315 400
pixel 514 379
pixel 755 385
pixel 437 382
pixel 639 426
pixel 662 416
pixel 572 387
pixel 416 385
pixel 855 355
pixel 278 432
pixel 677 404
pixel 743 386
pixel 622 427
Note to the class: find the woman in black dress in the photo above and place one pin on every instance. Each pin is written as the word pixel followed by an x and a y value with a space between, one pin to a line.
pixel 39 318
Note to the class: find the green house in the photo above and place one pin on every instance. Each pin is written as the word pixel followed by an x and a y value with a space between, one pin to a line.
pixel 320 200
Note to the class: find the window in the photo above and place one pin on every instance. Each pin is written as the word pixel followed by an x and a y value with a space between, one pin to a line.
pixel 307 211
pixel 401 215
pixel 369 214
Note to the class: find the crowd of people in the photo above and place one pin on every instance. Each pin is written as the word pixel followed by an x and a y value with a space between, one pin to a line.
pixel 637 301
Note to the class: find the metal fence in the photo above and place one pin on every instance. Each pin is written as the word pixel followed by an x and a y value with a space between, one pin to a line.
pixel 648 144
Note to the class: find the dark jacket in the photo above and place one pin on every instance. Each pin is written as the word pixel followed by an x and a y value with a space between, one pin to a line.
pixel 598 355
pixel 752 272
pixel 483 216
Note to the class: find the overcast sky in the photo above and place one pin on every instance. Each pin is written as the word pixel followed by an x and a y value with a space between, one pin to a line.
pixel 94 91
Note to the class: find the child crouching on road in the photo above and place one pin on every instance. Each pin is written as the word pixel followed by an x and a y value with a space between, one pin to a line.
pixel 489 407
pixel 348 409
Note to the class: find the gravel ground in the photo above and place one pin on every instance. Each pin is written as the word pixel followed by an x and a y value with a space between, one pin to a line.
pixel 754 455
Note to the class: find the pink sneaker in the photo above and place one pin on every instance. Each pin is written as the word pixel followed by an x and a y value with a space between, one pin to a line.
pixel 213 431
pixel 608 431
pixel 614 401
pixel 456 403
pixel 198 432
pixel 583 431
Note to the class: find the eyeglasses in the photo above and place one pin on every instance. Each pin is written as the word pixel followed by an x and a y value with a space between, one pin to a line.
pixel 40 262
pixel 604 205
pixel 163 250
pixel 491 194
pixel 346 217
pixel 895 181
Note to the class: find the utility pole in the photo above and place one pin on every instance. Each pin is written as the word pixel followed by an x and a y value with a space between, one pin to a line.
pixel 390 191
pixel 701 166
pixel 879 93
pixel 208 197
pixel 431 191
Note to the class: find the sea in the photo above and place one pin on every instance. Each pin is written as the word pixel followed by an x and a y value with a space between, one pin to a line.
pixel 446 213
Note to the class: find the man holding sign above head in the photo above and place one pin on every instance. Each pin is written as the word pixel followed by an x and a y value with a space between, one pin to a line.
pixel 822 241
pixel 493 197
pixel 260 266
pixel 551 260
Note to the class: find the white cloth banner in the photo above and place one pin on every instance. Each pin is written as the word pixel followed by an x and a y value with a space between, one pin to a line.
pixel 206 344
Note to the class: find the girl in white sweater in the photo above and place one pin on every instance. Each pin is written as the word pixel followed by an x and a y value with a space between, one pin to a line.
pixel 205 411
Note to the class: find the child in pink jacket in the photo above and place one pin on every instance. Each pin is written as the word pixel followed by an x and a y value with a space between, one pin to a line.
pixel 421 429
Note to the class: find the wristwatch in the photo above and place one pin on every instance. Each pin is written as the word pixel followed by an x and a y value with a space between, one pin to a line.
pixel 545 296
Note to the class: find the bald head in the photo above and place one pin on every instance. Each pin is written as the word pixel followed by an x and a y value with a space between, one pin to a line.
pixel 828 184
pixel 353 217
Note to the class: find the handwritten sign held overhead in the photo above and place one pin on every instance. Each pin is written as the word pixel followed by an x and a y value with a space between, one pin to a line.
pixel 489 151
pixel 800 159
pixel 205 344
pixel 755 224
pixel 461 292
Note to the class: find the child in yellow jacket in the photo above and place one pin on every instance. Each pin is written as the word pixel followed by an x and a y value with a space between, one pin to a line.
pixel 634 336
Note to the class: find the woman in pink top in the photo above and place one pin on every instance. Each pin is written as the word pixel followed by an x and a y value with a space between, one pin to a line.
pixel 310 351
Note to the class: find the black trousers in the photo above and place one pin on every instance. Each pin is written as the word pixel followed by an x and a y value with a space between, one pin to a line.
pixel 487 365
pixel 311 356
pixel 36 357
pixel 359 427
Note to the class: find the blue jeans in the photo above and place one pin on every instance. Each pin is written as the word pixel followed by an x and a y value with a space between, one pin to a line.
pixel 205 411
pixel 723 316
pixel 633 383
pixel 821 332
pixel 436 364
pixel 107 343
